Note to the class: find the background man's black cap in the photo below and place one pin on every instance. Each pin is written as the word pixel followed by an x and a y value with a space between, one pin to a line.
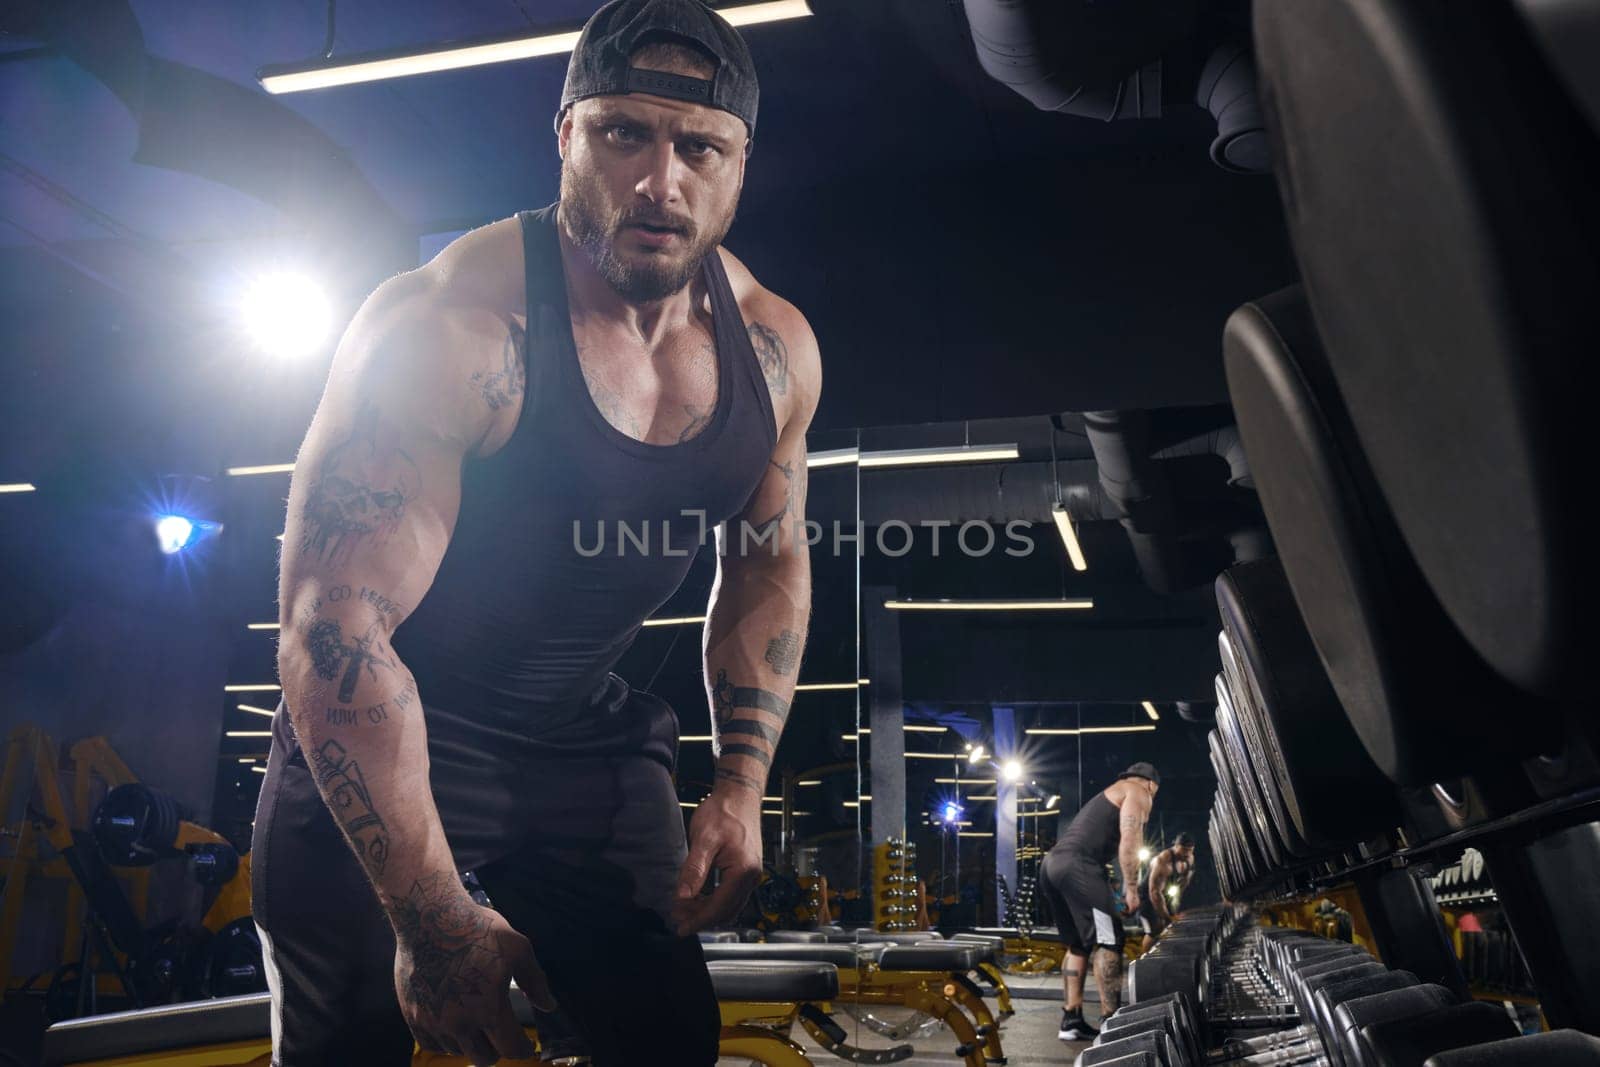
pixel 599 65
pixel 1141 770
pixel 1185 840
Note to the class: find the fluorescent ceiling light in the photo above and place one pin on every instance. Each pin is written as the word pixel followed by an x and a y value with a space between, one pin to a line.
pixel 932 755
pixel 377 67
pixel 1045 731
pixel 1069 538
pixel 695 737
pixel 1078 604
pixel 973 833
pixel 268 468
pixel 261 626
pixel 810 781
pixel 963 781
pixel 833 457
pixel 252 709
pixel 247 733
pixel 1150 710
pixel 259 770
pixel 925 729
pixel 817 687
pixel 918 457
pixel 681 620
pixel 263 688
pixel 18 487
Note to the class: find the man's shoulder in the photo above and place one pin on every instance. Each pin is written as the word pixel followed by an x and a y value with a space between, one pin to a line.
pixel 765 312
pixel 481 270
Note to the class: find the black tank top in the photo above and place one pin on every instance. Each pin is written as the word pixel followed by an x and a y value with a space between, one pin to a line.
pixel 1094 833
pixel 540 593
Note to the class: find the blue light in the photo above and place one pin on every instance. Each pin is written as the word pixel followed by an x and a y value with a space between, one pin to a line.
pixel 174 532
pixel 952 812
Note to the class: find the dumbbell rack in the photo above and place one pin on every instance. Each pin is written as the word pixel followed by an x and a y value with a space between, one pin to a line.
pixel 894 885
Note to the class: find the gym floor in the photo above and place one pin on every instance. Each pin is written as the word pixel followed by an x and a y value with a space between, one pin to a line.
pixel 1029 1037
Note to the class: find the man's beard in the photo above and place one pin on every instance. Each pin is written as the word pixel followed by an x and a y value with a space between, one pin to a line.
pixel 637 280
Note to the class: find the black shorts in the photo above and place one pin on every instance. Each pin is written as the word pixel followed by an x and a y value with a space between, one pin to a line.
pixel 1151 923
pixel 580 852
pixel 1079 895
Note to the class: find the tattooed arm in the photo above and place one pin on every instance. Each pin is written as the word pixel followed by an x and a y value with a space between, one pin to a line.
pixel 1135 812
pixel 372 505
pixel 755 633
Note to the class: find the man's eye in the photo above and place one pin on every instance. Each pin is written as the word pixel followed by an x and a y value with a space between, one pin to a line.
pixel 700 148
pixel 623 134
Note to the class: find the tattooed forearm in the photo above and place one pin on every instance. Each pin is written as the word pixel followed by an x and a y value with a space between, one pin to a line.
pixel 449 940
pixel 752 728
pixel 359 494
pixel 783 652
pixel 503 387
pixel 339 775
pixel 773 356
pixel 725 774
pixel 725 696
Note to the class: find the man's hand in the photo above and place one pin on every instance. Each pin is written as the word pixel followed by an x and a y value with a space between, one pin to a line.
pixel 1130 897
pixel 724 836
pixel 453 961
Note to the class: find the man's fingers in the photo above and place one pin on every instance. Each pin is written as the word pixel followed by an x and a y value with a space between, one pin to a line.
pixel 692 876
pixel 531 980
pixel 477 1047
pixel 508 1036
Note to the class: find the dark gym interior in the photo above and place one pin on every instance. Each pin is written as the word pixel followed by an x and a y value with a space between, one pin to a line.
pixel 1201 397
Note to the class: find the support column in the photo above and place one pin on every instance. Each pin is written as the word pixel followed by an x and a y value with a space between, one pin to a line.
pixel 1005 805
pixel 887 718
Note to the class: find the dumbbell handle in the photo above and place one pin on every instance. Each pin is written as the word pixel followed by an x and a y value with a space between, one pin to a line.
pixel 1306 1054
pixel 1244 1046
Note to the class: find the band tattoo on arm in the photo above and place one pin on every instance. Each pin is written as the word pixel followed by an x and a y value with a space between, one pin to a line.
pixel 772 354
pixel 503 387
pixel 783 652
pixel 449 939
pixel 359 494
pixel 351 803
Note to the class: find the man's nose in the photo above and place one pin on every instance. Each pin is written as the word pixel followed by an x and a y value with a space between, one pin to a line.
pixel 659 183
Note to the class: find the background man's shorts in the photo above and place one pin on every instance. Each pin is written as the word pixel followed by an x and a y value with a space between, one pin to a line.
pixel 1079 895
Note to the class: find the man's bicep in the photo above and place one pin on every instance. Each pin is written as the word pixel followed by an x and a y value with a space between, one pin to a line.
pixel 372 503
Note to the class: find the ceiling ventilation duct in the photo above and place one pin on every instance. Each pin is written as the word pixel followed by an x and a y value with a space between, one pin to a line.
pixel 1105 61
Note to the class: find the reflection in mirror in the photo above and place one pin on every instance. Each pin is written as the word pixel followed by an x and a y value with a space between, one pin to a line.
pixel 1037 615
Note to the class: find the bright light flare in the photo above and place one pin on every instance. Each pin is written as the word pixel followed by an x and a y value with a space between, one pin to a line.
pixel 285 314
pixel 174 533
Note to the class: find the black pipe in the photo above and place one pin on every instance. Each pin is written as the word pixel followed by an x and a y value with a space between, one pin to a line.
pixel 1097 61
pixel 1227 89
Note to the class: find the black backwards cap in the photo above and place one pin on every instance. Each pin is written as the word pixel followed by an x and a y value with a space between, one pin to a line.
pixel 599 65
pixel 1141 770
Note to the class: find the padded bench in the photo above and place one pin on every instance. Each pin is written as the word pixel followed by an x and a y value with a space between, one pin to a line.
pixel 773 980
pixel 222 1021
pixel 1012 934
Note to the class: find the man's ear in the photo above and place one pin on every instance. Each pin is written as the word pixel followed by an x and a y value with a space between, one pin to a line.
pixel 563 132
